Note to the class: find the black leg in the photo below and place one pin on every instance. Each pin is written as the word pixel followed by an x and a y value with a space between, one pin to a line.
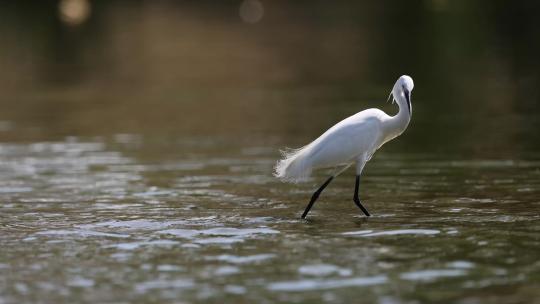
pixel 316 196
pixel 356 199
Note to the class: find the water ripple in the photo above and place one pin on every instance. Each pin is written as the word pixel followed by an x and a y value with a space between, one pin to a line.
pixel 242 259
pixel 223 231
pixel 432 274
pixel 81 233
pixel 164 284
pixel 136 245
pixel 323 270
pixel 369 233
pixel 305 285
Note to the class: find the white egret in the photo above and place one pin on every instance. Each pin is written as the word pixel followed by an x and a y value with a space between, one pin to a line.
pixel 351 141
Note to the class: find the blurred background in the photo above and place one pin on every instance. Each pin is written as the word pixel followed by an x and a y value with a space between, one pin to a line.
pixel 271 71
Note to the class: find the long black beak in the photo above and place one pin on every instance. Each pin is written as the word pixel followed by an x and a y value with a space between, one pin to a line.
pixel 408 98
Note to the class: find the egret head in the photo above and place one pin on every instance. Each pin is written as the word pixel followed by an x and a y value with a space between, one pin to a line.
pixel 402 91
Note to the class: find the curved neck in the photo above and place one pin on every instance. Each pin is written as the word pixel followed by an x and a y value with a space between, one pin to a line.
pixel 395 125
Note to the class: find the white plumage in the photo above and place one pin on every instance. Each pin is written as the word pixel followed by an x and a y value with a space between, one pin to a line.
pixel 352 140
pixel 357 136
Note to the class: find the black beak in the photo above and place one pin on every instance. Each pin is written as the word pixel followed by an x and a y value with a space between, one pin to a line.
pixel 408 98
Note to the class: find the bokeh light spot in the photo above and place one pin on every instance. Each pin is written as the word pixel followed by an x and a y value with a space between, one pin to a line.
pixel 251 11
pixel 74 12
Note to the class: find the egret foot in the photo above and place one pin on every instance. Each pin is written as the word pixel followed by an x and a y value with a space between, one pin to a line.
pixel 316 196
pixel 357 202
pixel 355 197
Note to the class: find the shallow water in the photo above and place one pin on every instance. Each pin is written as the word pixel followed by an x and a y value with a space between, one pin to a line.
pixel 88 220
pixel 136 153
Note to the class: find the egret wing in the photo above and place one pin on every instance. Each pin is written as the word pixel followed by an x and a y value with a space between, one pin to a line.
pixel 346 141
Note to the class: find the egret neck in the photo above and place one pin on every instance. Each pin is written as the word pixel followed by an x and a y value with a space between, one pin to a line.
pixel 395 125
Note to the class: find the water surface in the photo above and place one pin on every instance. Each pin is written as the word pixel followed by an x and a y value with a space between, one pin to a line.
pixel 89 220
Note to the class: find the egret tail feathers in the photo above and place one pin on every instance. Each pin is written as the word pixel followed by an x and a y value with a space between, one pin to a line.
pixel 294 166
